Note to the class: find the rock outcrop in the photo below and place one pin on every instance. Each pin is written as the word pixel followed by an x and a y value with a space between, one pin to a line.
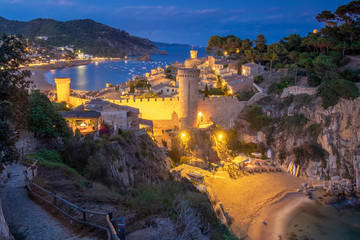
pixel 325 142
pixel 133 158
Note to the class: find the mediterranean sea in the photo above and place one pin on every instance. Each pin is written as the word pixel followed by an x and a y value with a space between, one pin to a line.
pixel 94 76
pixel 340 221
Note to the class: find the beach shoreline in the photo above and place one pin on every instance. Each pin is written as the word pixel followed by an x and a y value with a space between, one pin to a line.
pixel 273 221
pixel 39 81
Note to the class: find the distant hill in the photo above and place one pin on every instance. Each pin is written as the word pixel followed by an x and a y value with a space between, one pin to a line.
pixel 87 35
pixel 162 45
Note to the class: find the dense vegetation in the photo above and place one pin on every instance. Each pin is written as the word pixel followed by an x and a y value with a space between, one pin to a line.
pixel 318 55
pixel 85 35
pixel 13 95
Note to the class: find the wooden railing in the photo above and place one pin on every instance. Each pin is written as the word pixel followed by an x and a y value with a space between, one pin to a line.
pixel 66 207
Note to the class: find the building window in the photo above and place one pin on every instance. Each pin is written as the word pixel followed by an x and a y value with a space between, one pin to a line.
pixel 167 90
pixel 172 90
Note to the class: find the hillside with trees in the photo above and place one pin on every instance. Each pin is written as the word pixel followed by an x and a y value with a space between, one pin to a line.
pixel 86 35
pixel 320 56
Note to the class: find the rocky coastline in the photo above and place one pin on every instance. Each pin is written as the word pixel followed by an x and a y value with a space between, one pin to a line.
pixel 330 192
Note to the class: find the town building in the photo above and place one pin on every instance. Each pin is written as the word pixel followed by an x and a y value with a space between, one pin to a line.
pixel 252 69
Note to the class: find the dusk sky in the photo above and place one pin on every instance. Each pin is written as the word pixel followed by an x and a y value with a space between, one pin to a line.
pixel 182 21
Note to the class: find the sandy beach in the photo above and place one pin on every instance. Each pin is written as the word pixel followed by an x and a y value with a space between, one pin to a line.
pixel 252 199
pixel 277 216
pixel 39 80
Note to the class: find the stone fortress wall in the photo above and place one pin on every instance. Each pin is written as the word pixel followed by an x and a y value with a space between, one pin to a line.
pixel 188 94
pixel 296 90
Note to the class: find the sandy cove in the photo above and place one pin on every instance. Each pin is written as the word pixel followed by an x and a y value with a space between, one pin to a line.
pixel 256 198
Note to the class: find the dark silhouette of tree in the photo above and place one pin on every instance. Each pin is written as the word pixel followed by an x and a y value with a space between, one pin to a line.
pixel 206 91
pixel 13 94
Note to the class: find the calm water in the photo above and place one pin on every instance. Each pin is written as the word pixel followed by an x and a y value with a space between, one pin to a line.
pixel 337 222
pixel 95 76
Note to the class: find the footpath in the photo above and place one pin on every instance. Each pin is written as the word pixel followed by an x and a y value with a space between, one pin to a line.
pixel 29 220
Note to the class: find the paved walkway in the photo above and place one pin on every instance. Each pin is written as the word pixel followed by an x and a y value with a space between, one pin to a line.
pixel 26 216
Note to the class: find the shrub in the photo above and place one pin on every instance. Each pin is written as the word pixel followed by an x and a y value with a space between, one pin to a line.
pixel 245 96
pixel 288 100
pixel 258 79
pixel 331 91
pixel 278 88
pixel 350 75
pixel 313 80
pixel 324 68
pixel 256 118
pixel 335 56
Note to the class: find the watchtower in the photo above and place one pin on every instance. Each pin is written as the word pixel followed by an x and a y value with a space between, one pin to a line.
pixel 193 54
pixel 188 94
pixel 63 89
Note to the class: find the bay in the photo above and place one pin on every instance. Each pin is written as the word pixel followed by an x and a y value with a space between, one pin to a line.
pixel 94 76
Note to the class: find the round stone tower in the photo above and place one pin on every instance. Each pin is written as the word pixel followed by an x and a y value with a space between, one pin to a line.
pixel 193 54
pixel 188 96
pixel 63 89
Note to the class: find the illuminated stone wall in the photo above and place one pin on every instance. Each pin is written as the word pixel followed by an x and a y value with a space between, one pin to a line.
pixel 76 101
pixel 220 110
pixel 152 109
pixel 63 89
pixel 188 94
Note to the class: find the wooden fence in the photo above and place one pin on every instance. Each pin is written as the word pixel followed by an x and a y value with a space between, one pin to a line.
pixel 65 207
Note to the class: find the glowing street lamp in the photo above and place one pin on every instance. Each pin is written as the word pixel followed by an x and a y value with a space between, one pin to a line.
pixel 200 114
pixel 220 136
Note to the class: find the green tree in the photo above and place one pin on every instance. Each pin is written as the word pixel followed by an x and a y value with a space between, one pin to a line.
pixel 13 94
pixel 275 52
pixel 206 91
pixel 326 17
pixel 246 45
pixel 293 42
pixel 44 121
pixel 324 67
pixel 260 43
pixel 252 55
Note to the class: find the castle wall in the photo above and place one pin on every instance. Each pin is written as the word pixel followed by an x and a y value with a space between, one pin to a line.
pixel 296 90
pixel 220 110
pixel 76 101
pixel 152 108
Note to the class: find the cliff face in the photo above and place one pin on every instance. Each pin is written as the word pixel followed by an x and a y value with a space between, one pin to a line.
pixel 325 142
pixel 130 159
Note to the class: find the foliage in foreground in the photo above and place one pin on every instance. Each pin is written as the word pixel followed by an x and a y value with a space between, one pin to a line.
pixel 44 120
pixel 13 94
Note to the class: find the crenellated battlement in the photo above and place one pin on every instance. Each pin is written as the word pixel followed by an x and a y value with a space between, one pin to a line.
pixel 143 100
pixel 219 99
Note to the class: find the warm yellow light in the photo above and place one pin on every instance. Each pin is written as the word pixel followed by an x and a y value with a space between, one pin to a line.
pixel 315 31
pixel 237 50
pixel 220 136
pixel 223 83
pixel 225 53
pixel 67 105
pixel 200 114
pixel 214 68
pixel 183 135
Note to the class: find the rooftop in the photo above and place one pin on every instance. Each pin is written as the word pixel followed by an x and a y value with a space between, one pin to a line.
pixel 80 114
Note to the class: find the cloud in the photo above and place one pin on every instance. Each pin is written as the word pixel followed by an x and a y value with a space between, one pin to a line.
pixel 65 2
